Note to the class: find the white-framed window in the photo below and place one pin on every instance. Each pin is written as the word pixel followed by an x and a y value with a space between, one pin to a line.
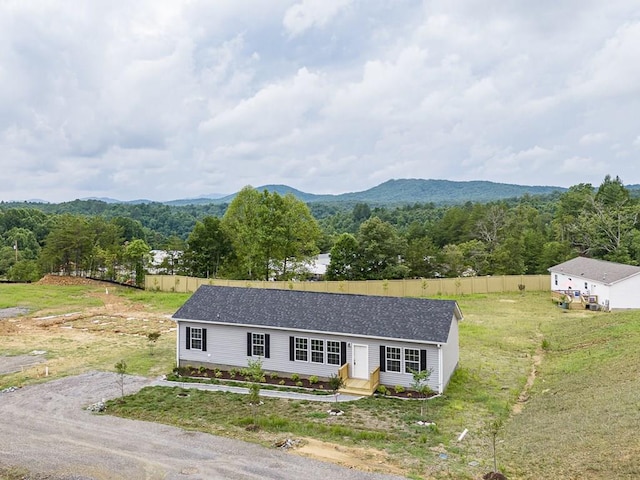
pixel 196 338
pixel 317 350
pixel 301 349
pixel 411 360
pixel 393 359
pixel 257 344
pixel 333 352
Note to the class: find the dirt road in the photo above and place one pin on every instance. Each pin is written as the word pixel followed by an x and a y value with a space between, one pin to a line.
pixel 46 429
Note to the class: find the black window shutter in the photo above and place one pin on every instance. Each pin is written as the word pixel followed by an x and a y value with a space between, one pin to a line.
pixel 249 352
pixel 292 348
pixel 343 353
pixel 267 339
pixel 204 339
pixel 188 337
pixel 423 360
pixel 383 358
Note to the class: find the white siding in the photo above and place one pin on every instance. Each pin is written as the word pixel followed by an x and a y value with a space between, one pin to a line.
pixel 391 379
pixel 624 294
pixel 620 295
pixel 227 347
pixel 450 352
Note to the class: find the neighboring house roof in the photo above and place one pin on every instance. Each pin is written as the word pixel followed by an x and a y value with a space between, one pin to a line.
pixel 597 270
pixel 361 315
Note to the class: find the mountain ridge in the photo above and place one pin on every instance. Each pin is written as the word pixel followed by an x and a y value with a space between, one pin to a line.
pixel 402 191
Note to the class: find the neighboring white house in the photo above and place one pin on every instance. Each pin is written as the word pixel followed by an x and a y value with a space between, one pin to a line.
pixel 163 261
pixel 370 339
pixel 607 284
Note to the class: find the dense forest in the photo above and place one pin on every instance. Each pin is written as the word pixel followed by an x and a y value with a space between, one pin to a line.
pixel 263 235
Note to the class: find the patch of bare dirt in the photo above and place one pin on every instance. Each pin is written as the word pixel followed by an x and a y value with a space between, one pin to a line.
pixel 523 398
pixel 67 280
pixel 366 459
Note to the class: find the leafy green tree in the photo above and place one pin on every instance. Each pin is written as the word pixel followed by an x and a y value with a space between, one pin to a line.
pixel 344 261
pixel 455 226
pixel 271 235
pixel 451 261
pixel 208 247
pixel 24 271
pixel 475 257
pixel 605 226
pixel 69 245
pixel 137 255
pixel 130 229
pixel 421 257
pixel 108 248
pixel 568 208
pixel 23 241
pixel 242 224
pixel 297 238
pixel 381 250
pixel 361 212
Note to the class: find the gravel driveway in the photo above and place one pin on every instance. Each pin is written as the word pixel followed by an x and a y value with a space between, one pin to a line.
pixel 46 429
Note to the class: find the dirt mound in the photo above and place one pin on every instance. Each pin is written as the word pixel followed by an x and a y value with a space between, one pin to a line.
pixel 66 280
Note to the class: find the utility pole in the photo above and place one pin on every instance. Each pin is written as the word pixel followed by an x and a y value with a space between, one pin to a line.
pixel 15 247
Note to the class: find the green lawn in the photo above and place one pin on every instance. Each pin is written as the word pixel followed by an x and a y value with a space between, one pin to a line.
pixel 580 420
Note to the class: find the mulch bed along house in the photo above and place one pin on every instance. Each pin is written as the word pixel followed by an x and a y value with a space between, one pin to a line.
pixel 312 384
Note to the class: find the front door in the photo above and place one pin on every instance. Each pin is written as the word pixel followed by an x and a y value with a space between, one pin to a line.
pixel 360 362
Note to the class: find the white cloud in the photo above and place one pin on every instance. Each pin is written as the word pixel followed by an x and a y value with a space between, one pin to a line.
pixel 311 13
pixel 164 99
pixel 593 138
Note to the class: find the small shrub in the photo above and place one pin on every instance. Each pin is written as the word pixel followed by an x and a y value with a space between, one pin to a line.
pixel 295 377
pixel 273 375
pixel 202 369
pixel 299 383
pixel 398 389
pixel 233 373
pixel 281 382
pixel 218 373
pixel 382 390
pixel 545 344
pixel 313 379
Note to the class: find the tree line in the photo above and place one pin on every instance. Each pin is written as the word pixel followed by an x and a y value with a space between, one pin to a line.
pixel 264 235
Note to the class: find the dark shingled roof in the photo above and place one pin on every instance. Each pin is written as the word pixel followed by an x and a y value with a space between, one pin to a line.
pixel 363 315
pixel 598 270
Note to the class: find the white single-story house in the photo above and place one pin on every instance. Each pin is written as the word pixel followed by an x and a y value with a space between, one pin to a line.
pixel 367 340
pixel 606 285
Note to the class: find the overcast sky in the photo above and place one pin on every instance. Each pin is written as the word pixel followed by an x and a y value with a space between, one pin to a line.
pixel 167 99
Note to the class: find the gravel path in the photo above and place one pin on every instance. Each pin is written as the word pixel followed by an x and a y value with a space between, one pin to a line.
pixel 46 429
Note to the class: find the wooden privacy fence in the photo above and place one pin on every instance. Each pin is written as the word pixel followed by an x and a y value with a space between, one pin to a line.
pixel 393 288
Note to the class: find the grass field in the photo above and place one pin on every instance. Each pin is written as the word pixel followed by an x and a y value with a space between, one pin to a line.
pixel 579 418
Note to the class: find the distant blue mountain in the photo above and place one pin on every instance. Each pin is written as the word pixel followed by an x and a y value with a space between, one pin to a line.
pixel 409 191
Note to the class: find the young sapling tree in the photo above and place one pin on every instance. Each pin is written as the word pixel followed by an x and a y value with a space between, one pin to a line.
pixel 335 383
pixel 121 370
pixel 152 337
pixel 421 386
pixel 255 374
